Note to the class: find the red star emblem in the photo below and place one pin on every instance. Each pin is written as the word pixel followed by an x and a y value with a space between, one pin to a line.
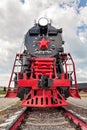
pixel 43 43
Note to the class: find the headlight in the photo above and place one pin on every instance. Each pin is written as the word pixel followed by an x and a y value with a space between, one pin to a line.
pixel 43 22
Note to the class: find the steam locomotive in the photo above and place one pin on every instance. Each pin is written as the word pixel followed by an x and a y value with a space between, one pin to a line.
pixel 45 74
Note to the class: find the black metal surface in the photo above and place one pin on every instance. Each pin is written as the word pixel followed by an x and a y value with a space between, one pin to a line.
pixel 52 34
pixel 45 82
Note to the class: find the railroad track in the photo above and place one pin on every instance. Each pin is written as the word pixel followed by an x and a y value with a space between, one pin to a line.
pixel 45 119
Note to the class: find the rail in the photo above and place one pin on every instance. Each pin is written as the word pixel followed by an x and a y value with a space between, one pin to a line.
pixel 17 122
pixel 77 120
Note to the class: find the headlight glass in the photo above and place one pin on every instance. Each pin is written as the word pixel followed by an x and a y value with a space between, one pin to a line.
pixel 43 22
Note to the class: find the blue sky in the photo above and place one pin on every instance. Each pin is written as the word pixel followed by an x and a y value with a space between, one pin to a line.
pixel 17 16
pixel 82 3
pixel 22 1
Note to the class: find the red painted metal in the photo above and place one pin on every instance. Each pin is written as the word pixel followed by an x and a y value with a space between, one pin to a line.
pixel 69 63
pixel 11 91
pixel 37 96
pixel 44 98
pixel 43 43
pixel 85 90
pixel 78 121
pixel 34 83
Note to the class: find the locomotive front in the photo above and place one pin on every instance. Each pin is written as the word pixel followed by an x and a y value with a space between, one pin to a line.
pixel 46 77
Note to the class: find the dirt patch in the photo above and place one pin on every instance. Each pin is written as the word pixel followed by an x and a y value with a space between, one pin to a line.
pixel 9 112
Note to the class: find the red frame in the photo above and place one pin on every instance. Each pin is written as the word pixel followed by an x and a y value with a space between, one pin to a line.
pixel 46 67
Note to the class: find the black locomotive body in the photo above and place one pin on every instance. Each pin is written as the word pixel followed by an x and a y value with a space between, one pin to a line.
pixel 47 73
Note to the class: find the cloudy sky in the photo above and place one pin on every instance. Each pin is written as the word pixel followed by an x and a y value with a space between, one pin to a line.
pixel 17 16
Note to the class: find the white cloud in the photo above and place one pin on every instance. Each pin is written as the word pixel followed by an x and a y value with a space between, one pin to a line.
pixel 83 13
pixel 82 36
pixel 16 18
